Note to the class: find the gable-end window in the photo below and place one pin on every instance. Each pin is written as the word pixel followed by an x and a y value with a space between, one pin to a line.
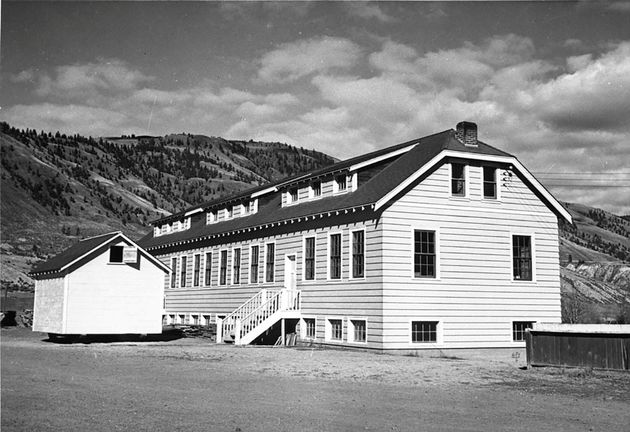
pixel 424 255
pixel 236 266
pixel 116 254
pixel 223 268
pixel 270 262
pixel 173 272
pixel 458 179
pixel 358 254
pixel 293 195
pixel 208 269
pixel 489 183
pixel 182 281
pixel 424 331
pixel 317 188
pixel 518 329
pixel 309 258
pixel 522 257
pixel 196 270
pixel 342 182
pixel 253 264
pixel 334 246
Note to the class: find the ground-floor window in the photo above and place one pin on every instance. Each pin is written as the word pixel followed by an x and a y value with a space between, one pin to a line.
pixel 336 329
pixel 194 319
pixel 518 329
pixel 206 319
pixel 357 330
pixel 309 328
pixel 182 319
pixel 424 331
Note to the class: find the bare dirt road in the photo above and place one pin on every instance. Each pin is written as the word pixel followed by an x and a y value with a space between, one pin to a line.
pixel 193 385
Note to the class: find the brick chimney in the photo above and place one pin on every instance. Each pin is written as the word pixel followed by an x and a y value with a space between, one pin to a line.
pixel 466 132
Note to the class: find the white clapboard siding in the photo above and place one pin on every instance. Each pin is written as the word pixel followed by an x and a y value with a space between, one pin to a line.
pixel 474 299
pixel 321 298
pixel 48 305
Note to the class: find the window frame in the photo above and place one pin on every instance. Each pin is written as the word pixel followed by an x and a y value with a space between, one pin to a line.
pixel 183 271
pixel 520 331
pixel 438 331
pixel 304 328
pixel 329 257
pixel 337 182
pixel 223 270
pixel 465 179
pixel 328 337
pixel 313 191
pixel 496 196
pixel 304 257
pixel 207 270
pixel 275 252
pixel 436 231
pixel 251 263
pixel 352 254
pixel 532 258
pixel 212 216
pixel 352 330
pixel 196 270
pixel 174 272
pixel 120 251
pixel 235 278
pixel 293 195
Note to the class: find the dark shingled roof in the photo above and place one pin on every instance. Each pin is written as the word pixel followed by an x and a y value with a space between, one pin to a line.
pixel 58 262
pixel 367 194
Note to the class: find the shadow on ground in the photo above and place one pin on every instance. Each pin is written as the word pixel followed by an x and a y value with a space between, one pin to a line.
pixel 165 336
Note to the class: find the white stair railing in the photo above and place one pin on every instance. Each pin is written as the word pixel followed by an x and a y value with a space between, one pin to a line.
pixel 256 310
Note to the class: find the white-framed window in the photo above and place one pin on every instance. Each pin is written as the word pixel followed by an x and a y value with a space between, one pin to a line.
pixel 183 269
pixel 173 272
pixel 425 254
pixel 459 175
pixel 253 206
pixel 523 257
pixel 223 263
pixel 236 266
pixel 340 183
pixel 156 231
pixel 181 319
pixel 186 223
pixel 196 269
pixel 229 212
pixel 357 330
pixel 293 195
pixel 194 319
pixel 335 247
pixel 211 217
pixel 519 328
pixel 425 332
pixel 206 319
pixel 270 262
pixel 163 229
pixel 334 329
pixel 172 319
pixel 309 258
pixel 207 275
pixel 309 326
pixel 358 254
pixel 116 253
pixel 254 259
pixel 490 187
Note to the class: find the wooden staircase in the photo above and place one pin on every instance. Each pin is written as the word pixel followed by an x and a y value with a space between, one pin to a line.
pixel 258 314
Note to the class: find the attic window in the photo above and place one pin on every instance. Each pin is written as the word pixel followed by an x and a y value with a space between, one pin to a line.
pixel 211 217
pixel 116 254
pixel 293 193
pixel 230 212
pixel 317 188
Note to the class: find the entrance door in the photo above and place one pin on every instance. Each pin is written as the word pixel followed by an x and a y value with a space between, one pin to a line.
pixel 290 271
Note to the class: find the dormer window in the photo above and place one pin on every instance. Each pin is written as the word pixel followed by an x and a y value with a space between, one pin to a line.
pixel 293 195
pixel 252 207
pixel 341 183
pixel 211 217
pixel 316 187
pixel 230 212
pixel 156 231
pixel 163 228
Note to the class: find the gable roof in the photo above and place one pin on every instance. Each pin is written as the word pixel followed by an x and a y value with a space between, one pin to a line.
pixel 84 249
pixel 409 161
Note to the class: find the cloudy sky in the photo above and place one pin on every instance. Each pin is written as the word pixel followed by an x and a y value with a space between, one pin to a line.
pixel 548 82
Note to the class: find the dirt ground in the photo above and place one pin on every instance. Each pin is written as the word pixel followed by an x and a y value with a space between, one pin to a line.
pixel 193 385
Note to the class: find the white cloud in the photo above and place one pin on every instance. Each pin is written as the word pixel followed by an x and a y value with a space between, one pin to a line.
pixel 368 11
pixel 295 60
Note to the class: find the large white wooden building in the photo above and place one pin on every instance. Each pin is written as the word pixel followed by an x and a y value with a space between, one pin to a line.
pixel 440 242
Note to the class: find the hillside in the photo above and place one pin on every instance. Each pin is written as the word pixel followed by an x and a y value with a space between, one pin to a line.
pixel 57 189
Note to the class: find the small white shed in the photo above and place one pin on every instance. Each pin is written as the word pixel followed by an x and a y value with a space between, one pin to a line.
pixel 102 285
